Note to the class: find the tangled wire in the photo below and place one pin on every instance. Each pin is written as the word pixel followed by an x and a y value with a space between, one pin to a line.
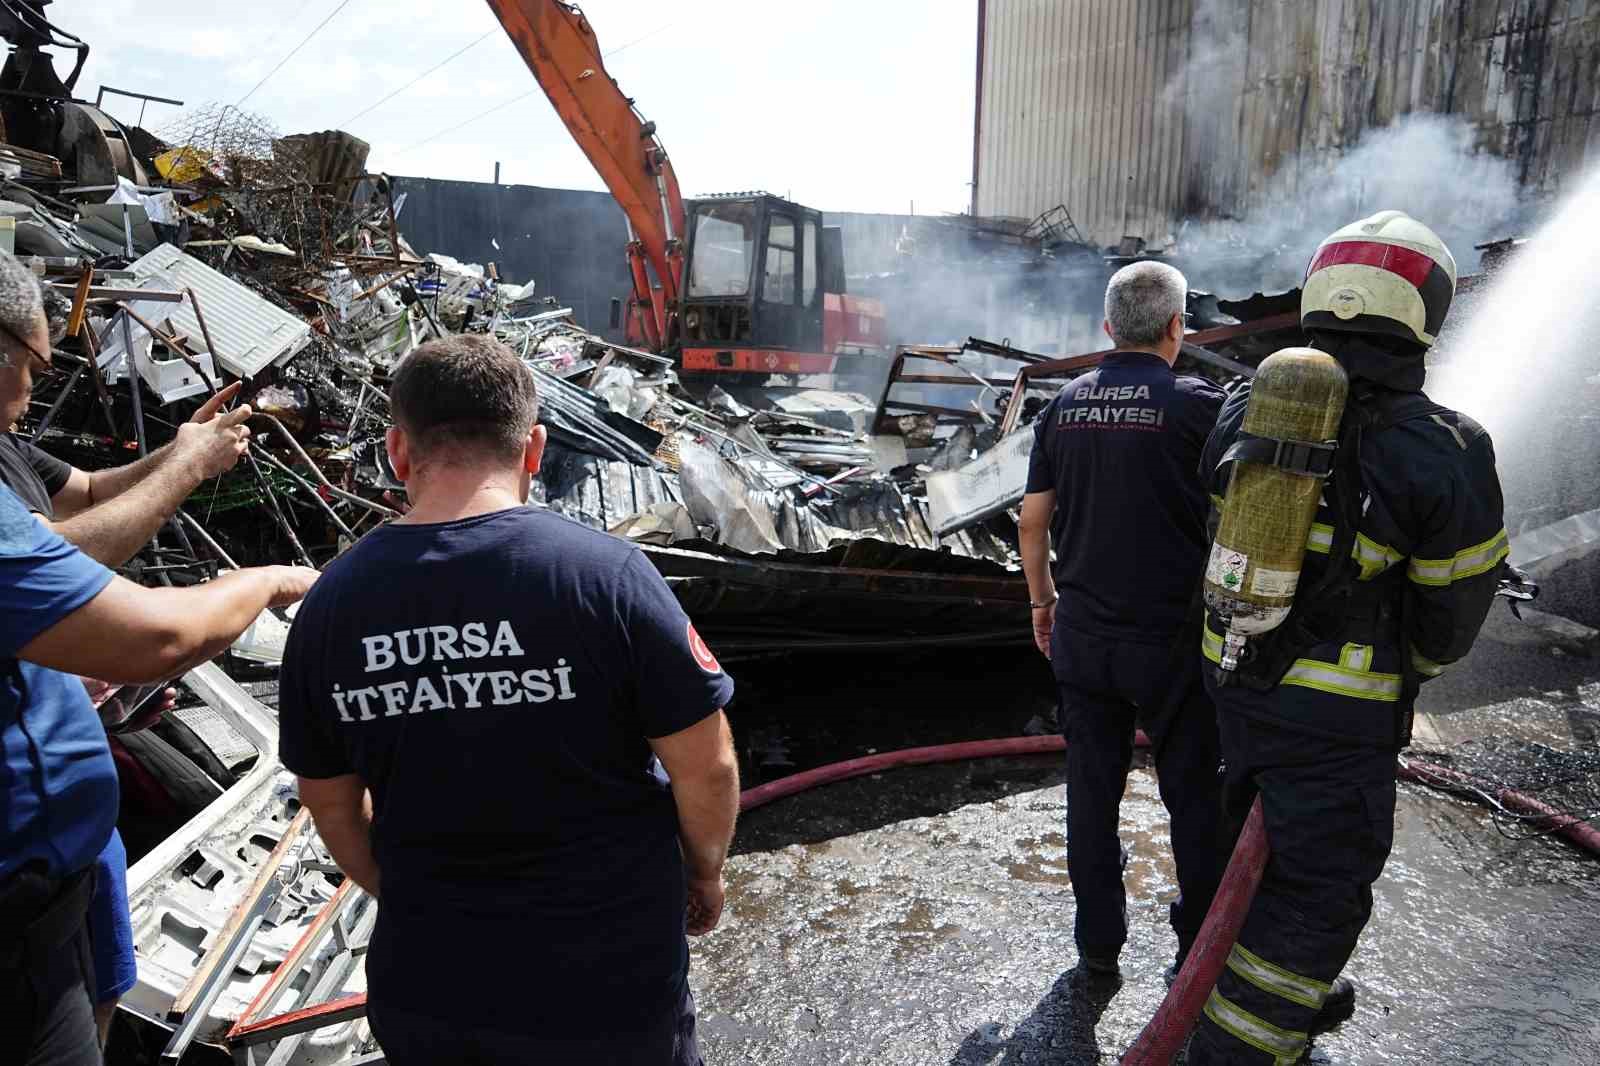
pixel 1568 782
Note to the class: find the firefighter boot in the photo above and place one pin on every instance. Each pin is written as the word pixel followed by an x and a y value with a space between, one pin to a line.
pixel 1337 1008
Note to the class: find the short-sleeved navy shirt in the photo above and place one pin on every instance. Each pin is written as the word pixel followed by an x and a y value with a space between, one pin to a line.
pixel 494 681
pixel 58 786
pixel 1120 446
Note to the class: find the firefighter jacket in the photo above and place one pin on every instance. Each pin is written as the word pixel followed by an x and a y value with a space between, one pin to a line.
pixel 1428 550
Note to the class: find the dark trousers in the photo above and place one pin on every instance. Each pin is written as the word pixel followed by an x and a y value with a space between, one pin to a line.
pixel 410 1039
pixel 1329 814
pixel 46 973
pixel 1106 688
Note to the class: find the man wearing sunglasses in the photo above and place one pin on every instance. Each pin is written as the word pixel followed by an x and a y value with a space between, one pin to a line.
pixel 107 514
pixel 64 927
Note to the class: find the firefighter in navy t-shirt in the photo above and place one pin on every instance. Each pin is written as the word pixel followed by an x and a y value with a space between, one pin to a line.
pixel 1112 482
pixel 485 704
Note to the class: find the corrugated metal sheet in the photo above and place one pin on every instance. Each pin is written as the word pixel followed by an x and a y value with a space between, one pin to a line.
pixel 1088 102
pixel 250 333
pixel 1073 112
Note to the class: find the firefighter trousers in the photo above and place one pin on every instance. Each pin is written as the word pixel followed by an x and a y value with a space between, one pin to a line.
pixel 1329 814
pixel 1106 687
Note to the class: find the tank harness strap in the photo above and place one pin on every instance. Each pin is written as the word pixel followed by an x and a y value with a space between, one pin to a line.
pixel 1275 655
pixel 1309 458
pixel 1271 657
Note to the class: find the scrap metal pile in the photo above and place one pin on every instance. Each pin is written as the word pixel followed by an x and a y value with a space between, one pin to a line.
pixel 280 262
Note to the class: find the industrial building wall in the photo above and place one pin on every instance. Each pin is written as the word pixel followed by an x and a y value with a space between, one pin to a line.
pixel 570 243
pixel 1073 109
pixel 1137 113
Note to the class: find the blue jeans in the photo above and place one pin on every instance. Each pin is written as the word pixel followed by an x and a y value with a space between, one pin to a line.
pixel 110 928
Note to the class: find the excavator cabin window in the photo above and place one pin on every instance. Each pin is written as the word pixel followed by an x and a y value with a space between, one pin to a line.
pixel 808 267
pixel 778 285
pixel 724 249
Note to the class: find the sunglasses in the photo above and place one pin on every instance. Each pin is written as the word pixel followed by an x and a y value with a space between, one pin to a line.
pixel 39 357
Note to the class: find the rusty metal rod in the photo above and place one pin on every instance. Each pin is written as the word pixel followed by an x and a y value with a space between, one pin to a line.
pixel 348 497
pixel 210 541
pixel 92 345
pixel 311 489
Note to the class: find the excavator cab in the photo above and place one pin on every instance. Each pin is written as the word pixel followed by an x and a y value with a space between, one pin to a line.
pixel 753 283
pixel 748 283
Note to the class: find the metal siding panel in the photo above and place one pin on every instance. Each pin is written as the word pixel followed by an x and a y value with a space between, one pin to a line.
pixel 1057 180
pixel 1136 177
pixel 1088 93
pixel 1028 101
pixel 1047 168
pixel 996 112
pixel 1104 135
pixel 1145 176
pixel 1135 186
pixel 1075 190
pixel 1016 179
pixel 991 152
pixel 1005 127
pixel 1114 92
pixel 1176 136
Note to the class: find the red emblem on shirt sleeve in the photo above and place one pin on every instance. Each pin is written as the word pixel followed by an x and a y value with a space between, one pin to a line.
pixel 702 654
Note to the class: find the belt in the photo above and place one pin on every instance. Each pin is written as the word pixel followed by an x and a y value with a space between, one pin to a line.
pixel 53 921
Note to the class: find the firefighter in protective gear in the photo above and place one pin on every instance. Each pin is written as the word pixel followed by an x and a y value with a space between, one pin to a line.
pixel 1401 567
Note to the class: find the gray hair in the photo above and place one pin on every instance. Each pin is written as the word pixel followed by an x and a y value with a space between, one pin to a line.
pixel 1141 299
pixel 21 303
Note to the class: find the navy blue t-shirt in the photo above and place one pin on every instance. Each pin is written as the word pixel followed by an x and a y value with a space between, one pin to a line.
pixel 493 681
pixel 58 785
pixel 1120 446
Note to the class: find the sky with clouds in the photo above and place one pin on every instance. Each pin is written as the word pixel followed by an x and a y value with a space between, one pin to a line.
pixel 843 105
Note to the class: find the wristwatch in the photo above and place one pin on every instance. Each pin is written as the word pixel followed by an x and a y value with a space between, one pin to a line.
pixel 1047 603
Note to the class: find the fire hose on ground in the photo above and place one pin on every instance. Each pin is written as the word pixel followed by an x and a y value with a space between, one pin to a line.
pixel 1164 1036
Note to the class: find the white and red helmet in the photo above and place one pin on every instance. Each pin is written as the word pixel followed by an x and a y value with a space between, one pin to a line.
pixel 1387 274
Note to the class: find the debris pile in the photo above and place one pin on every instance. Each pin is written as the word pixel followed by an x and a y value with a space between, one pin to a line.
pixel 235 253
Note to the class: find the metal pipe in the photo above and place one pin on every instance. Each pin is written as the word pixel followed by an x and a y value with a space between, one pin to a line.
pixel 55 408
pixel 127 230
pixel 277 512
pixel 315 495
pixel 91 344
pixel 337 971
pixel 209 540
pixel 133 385
pixel 355 417
pixel 348 497
pixel 205 334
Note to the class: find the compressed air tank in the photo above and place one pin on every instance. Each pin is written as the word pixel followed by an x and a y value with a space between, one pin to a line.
pixel 1298 395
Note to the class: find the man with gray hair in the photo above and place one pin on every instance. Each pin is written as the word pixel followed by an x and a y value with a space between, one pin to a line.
pixel 108 515
pixel 1113 483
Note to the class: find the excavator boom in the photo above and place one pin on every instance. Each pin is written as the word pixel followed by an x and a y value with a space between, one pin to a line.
pixel 560 48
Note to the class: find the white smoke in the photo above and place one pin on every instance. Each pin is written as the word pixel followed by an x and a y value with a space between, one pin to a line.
pixel 1429 166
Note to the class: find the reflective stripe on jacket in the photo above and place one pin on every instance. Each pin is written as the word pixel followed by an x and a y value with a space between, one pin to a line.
pixel 1432 530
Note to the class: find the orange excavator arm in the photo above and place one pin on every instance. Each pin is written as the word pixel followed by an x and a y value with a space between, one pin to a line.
pixel 559 46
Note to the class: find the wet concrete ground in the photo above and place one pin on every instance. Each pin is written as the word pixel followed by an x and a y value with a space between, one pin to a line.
pixel 924 916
